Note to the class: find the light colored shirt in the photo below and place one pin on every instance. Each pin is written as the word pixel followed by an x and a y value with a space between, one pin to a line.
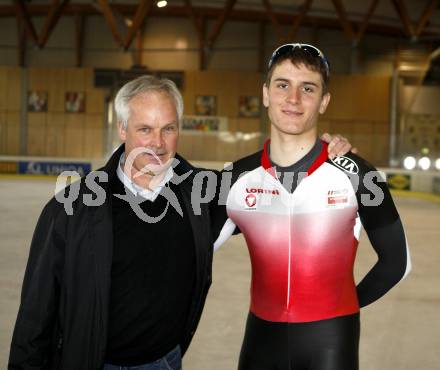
pixel 148 194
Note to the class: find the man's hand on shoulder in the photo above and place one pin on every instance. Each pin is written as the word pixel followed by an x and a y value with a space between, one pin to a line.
pixel 337 145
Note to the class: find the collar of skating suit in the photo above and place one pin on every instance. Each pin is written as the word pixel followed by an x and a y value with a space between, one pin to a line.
pixel 265 160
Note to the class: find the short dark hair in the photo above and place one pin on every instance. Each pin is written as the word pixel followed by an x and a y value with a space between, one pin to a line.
pixel 298 56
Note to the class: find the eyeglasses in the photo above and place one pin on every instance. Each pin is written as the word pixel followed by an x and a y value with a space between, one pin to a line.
pixel 287 48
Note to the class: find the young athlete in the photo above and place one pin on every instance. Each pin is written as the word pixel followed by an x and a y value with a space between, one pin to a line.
pixel 301 214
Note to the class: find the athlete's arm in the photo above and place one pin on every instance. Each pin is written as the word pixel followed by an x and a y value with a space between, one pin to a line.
pixel 229 229
pixel 223 227
pixel 392 266
pixel 383 226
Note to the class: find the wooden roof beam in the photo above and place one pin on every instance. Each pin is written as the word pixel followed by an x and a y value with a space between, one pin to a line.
pixel 79 39
pixel 430 8
pixel 273 19
pixel 298 19
pixel 137 55
pixel 104 7
pixel 345 23
pixel 363 26
pixel 200 26
pixel 23 14
pixel 261 47
pixel 192 14
pixel 138 21
pixel 220 23
pixel 202 45
pixel 247 15
pixel 55 12
pixel 21 36
pixel 404 17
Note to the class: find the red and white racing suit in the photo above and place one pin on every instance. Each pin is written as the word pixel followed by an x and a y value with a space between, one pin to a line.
pixel 302 245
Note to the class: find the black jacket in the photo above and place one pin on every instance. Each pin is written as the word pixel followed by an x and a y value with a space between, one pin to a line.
pixel 62 319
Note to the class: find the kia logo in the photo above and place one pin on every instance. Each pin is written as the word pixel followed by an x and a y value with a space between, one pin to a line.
pixel 346 164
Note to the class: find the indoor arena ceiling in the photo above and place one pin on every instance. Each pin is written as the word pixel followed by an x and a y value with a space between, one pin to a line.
pixel 415 20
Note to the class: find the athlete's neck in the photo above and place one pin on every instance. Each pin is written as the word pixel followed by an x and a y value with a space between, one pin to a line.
pixel 286 150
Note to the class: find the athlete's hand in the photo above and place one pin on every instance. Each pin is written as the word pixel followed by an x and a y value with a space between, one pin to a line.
pixel 337 145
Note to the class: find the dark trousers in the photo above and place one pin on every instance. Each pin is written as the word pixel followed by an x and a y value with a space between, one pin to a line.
pixel 331 344
pixel 171 361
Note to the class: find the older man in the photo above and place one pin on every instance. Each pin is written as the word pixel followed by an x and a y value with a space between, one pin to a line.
pixel 104 287
pixel 121 283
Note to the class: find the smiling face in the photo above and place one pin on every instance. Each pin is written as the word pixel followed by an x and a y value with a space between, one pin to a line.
pixel 295 99
pixel 153 124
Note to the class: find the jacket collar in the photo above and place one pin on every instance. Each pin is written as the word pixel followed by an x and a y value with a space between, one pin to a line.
pixel 112 164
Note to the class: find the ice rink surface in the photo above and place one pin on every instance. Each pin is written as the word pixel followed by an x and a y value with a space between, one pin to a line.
pixel 399 332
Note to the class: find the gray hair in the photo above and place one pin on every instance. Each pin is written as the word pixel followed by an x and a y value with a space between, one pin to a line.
pixel 141 85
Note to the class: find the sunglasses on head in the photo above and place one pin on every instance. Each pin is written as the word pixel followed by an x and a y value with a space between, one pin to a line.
pixel 287 48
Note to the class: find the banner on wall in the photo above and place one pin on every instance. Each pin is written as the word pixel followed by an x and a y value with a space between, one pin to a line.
pixel 43 167
pixel 9 167
pixel 53 168
pixel 399 181
pixel 204 123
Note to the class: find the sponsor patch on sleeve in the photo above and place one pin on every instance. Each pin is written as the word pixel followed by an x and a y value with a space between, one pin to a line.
pixel 346 164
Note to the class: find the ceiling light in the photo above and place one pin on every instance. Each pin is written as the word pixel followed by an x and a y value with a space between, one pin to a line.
pixel 161 4
pixel 437 163
pixel 409 163
pixel 424 163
